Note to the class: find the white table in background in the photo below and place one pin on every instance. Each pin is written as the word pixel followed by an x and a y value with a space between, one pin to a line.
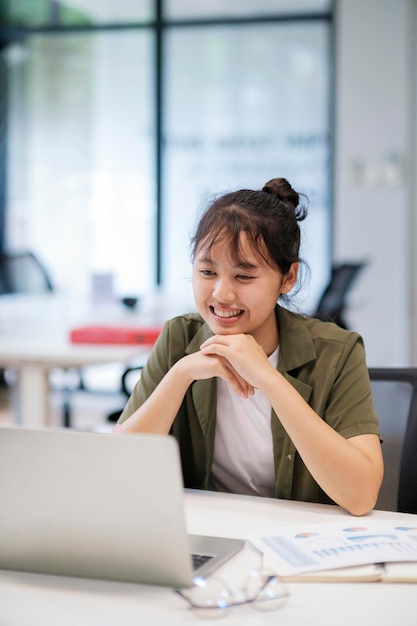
pixel 41 600
pixel 34 339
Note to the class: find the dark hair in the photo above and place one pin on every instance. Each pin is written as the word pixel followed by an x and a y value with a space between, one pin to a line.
pixel 269 218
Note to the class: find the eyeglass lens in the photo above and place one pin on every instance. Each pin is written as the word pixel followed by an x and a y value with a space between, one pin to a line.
pixel 210 598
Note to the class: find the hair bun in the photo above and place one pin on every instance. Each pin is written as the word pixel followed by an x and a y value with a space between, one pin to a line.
pixel 281 188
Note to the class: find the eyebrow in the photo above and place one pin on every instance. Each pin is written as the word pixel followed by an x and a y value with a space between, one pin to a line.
pixel 243 265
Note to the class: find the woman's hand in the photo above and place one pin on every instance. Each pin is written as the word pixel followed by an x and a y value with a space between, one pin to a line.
pixel 242 353
pixel 158 412
pixel 203 365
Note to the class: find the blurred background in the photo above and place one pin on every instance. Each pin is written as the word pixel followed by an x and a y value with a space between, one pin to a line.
pixel 119 119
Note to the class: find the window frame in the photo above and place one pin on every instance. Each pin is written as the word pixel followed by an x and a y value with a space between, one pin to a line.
pixel 158 25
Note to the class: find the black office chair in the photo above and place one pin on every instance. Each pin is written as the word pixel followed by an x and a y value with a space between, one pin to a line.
pixel 333 301
pixel 128 380
pixel 22 272
pixel 395 398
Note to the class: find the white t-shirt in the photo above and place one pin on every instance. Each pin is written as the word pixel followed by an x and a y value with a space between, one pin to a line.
pixel 243 451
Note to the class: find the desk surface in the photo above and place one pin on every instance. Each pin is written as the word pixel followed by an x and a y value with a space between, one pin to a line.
pixel 31 599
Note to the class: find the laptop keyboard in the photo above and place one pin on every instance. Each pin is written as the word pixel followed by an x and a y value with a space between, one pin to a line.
pixel 198 560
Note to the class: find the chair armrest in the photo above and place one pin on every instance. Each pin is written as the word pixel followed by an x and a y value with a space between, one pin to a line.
pixel 125 374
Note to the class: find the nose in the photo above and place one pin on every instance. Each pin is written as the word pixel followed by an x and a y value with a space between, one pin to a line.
pixel 223 290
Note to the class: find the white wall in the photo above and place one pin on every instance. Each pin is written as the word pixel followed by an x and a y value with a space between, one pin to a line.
pixel 375 200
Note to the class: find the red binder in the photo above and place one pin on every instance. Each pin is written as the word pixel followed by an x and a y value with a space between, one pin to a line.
pixel 116 335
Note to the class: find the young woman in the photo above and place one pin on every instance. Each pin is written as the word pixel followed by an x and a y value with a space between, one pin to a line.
pixel 261 400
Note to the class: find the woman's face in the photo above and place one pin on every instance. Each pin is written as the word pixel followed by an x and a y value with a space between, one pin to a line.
pixel 239 298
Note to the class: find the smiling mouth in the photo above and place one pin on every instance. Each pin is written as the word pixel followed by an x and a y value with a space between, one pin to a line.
pixel 226 314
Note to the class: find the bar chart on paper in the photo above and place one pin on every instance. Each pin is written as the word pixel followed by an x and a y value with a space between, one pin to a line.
pixel 318 547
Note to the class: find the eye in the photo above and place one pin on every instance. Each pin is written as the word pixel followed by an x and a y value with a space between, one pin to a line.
pixel 208 273
pixel 244 277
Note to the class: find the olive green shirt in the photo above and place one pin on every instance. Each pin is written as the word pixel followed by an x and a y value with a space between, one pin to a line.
pixel 324 363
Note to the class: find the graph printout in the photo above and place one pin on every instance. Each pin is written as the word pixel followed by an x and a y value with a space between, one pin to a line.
pixel 316 547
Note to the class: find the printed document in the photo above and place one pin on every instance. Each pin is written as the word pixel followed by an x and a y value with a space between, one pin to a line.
pixel 327 546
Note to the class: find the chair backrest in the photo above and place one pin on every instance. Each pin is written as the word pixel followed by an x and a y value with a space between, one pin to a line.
pixel 332 303
pixel 395 399
pixel 22 272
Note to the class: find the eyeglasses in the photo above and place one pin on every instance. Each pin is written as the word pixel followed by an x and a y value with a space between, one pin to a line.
pixel 210 598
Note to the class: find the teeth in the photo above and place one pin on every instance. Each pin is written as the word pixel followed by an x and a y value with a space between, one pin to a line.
pixel 227 313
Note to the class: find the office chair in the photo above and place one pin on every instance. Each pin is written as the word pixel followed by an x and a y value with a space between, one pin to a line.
pixel 333 301
pixel 129 378
pixel 22 272
pixel 395 399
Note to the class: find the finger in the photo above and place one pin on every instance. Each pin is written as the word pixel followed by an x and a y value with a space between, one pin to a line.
pixel 223 369
pixel 224 340
pixel 215 348
pixel 239 384
pixel 229 356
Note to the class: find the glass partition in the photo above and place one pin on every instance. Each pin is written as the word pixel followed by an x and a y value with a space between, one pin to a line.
pixel 244 105
pixel 122 122
pixel 80 163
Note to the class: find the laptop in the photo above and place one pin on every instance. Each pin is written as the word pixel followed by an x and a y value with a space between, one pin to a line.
pixel 102 506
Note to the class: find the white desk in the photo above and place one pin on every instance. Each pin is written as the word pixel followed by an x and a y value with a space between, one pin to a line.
pixel 35 600
pixel 34 338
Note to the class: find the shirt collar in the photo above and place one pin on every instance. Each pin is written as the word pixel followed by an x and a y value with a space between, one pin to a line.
pixel 296 343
